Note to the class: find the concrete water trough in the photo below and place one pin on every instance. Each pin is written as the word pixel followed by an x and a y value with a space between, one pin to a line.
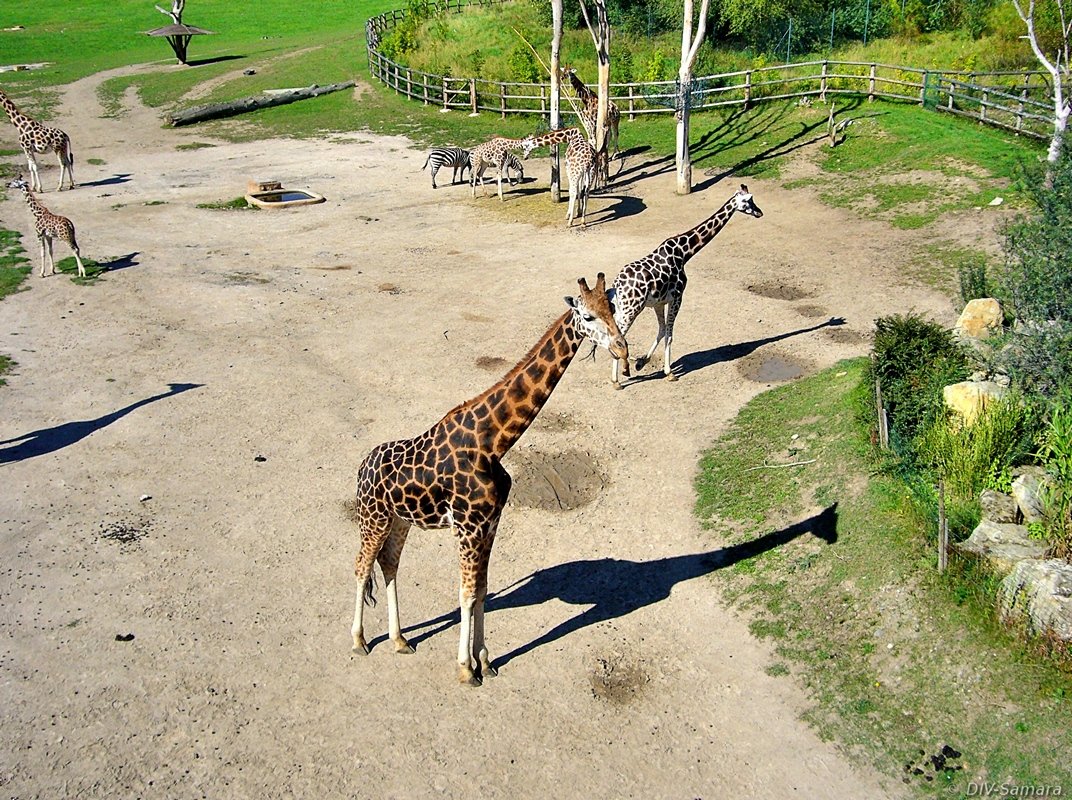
pixel 271 194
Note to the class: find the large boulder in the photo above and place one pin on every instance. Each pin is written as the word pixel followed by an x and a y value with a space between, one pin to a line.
pixel 998 507
pixel 1000 545
pixel 979 319
pixel 1027 491
pixel 1039 593
pixel 968 398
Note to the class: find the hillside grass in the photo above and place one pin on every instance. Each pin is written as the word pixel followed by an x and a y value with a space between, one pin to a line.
pixel 898 660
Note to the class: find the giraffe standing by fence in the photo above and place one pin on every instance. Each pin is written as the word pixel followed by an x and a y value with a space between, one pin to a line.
pixel 35 137
pixel 48 227
pixel 580 166
pixel 658 280
pixel 452 475
pixel 589 114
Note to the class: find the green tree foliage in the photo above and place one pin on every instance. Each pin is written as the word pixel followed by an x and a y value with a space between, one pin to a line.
pixel 1036 280
pixel 523 64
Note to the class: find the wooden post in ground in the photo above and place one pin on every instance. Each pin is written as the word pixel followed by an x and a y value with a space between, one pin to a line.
pixel 943 529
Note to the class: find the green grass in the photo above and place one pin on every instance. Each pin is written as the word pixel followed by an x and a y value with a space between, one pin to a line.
pixel 896 658
pixel 238 204
pixel 97 162
pixel 14 265
pixel 6 365
pixel 69 267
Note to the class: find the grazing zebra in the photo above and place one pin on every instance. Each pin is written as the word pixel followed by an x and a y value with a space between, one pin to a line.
pixel 454 157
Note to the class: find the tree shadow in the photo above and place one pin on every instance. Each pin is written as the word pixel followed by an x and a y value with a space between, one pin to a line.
pixel 119 177
pixel 49 440
pixel 731 352
pixel 613 588
pixel 200 62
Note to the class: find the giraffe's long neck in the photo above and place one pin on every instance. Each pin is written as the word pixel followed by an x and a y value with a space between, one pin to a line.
pixel 36 208
pixel 568 135
pixel 582 91
pixel 693 241
pixel 18 119
pixel 505 411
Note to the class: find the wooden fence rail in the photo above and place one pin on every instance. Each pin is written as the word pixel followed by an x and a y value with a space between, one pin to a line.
pixel 1020 102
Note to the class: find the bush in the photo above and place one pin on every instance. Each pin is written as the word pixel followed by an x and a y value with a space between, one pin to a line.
pixel 980 455
pixel 913 360
pixel 975 282
pixel 1055 454
pixel 523 65
pixel 1036 280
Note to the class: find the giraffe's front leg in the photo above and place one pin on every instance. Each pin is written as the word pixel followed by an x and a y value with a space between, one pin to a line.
pixel 43 250
pixel 660 315
pixel 466 603
pixel 35 178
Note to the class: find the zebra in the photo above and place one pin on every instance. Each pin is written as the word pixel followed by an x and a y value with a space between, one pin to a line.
pixel 454 157
pixel 459 160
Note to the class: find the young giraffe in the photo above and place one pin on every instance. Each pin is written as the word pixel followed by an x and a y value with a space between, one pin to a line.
pixel 452 475
pixel 590 114
pixel 658 280
pixel 48 227
pixel 37 138
pixel 580 167
pixel 492 153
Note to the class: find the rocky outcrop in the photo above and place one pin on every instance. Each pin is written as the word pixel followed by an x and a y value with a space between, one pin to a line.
pixel 979 319
pixel 1000 545
pixel 998 507
pixel 1040 594
pixel 968 398
pixel 1027 490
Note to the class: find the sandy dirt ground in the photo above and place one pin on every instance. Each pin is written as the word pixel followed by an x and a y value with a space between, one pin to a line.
pixel 179 440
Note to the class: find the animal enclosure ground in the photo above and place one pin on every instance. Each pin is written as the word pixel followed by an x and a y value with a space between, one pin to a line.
pixel 179 440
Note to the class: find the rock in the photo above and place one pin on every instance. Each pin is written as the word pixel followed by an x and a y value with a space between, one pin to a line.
pixel 1027 491
pixel 1001 545
pixel 979 319
pixel 998 507
pixel 968 398
pixel 1039 593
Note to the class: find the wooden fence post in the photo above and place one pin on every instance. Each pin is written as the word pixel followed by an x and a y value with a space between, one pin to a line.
pixel 871 85
pixel 632 110
pixel 446 103
pixel 747 88
pixel 923 89
pixel 543 102
pixel 943 529
pixel 883 420
pixel 502 99
pixel 822 84
pixel 1020 105
pixel 409 82
pixel 424 84
pixel 472 94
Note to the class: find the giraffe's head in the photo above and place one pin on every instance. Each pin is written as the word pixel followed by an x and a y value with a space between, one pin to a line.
pixel 593 315
pixel 743 202
pixel 528 144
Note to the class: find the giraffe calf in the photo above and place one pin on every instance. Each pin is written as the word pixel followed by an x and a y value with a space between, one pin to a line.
pixel 49 227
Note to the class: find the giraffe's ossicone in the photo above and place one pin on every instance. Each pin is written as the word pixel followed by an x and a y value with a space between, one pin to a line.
pixel 452 476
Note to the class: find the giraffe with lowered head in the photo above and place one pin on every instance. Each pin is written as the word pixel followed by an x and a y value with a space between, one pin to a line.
pixel 492 153
pixel 49 227
pixel 658 280
pixel 452 476
pixel 34 137
pixel 580 167
pixel 589 114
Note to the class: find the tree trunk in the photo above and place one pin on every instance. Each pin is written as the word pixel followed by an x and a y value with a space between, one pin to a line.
pixel 684 159
pixel 217 110
pixel 556 95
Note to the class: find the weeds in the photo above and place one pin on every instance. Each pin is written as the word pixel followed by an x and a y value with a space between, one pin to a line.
pixel 1055 455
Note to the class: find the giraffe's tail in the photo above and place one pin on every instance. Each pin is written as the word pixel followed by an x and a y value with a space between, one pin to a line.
pixel 370 587
pixel 68 152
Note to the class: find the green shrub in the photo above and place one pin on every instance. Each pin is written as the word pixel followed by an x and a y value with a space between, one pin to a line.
pixel 975 282
pixel 523 65
pixel 980 455
pixel 913 360
pixel 1055 454
pixel 1036 280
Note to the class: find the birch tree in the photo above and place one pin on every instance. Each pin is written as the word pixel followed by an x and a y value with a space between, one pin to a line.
pixel 556 95
pixel 690 46
pixel 1058 67
pixel 601 40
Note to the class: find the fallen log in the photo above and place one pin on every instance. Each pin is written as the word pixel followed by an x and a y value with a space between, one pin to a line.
pixel 241 106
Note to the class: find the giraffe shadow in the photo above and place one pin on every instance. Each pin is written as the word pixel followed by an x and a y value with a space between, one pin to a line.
pixel 117 178
pixel 622 207
pixel 120 262
pixel 731 352
pixel 612 588
pixel 49 440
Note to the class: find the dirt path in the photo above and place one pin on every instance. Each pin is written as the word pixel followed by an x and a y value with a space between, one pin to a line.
pixel 207 519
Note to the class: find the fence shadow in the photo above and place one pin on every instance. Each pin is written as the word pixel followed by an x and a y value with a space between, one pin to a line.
pixel 49 440
pixel 611 588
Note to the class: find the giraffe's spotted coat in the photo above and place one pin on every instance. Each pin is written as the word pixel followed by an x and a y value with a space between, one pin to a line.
pixel 48 227
pixel 35 137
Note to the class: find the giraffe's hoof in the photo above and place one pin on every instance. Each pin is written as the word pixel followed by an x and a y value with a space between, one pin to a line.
pixel 617 386
pixel 404 647
pixel 468 677
pixel 360 648
pixel 670 376
pixel 488 671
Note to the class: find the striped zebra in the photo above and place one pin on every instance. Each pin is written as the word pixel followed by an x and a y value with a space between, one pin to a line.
pixel 454 157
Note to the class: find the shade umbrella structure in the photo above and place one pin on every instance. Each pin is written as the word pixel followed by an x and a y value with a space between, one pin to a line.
pixel 178 36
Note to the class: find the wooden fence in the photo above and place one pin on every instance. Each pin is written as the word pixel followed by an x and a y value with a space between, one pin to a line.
pixel 1016 101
